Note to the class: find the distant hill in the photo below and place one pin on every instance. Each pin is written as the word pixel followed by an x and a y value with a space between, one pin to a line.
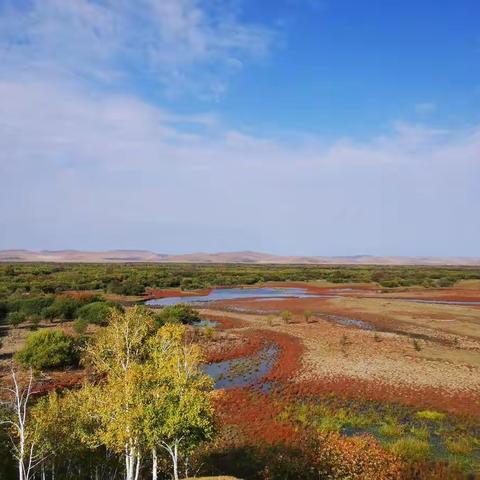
pixel 247 257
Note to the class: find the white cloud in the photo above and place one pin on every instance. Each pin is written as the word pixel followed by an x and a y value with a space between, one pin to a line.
pixel 184 45
pixel 119 160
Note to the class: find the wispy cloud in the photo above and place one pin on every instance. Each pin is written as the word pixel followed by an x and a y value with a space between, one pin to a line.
pixel 183 45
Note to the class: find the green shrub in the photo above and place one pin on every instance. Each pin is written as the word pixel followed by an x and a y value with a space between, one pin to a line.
pixel 181 313
pixel 16 318
pixel 96 312
pixel 47 349
pixel 410 448
pixel 32 306
pixel 431 415
pixel 420 432
pixel 80 326
pixel 34 320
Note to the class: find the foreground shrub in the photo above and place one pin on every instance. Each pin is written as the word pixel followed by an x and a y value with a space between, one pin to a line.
pixel 47 349
pixel 359 457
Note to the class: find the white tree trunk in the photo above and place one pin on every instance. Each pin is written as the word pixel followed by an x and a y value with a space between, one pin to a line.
pixel 154 464
pixel 132 463
pixel 18 404
pixel 175 461
pixel 173 452
pixel 137 469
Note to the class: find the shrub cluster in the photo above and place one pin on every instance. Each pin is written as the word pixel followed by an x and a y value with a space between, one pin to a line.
pixel 48 349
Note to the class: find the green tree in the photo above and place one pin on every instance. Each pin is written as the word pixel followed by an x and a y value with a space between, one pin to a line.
pixel 51 348
pixel 180 313
pixel 16 318
pixel 154 394
pixel 118 353
pixel 96 312
pixel 179 414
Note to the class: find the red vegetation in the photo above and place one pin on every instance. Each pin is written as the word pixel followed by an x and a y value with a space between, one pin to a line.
pixel 460 403
pixel 257 418
pixel 245 345
pixel 289 360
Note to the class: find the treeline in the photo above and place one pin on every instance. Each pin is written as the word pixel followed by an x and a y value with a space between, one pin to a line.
pixel 32 308
pixel 134 279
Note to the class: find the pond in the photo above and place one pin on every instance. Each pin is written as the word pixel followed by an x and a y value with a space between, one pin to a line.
pixel 232 294
pixel 242 372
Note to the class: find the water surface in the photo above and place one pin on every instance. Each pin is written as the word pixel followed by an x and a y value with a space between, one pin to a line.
pixel 218 294
pixel 242 372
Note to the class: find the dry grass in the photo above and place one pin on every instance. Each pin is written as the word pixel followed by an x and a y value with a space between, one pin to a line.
pixel 449 337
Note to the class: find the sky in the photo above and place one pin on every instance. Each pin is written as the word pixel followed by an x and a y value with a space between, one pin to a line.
pixel 299 127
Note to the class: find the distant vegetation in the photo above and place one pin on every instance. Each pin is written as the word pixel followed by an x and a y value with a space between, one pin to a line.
pixel 136 279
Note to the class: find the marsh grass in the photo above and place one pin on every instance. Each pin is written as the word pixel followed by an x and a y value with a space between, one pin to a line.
pixel 431 415
pixel 391 428
pixel 464 445
pixel 410 448
pixel 412 435
pixel 421 432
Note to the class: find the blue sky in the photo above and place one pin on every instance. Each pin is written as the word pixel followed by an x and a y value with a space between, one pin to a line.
pixel 327 127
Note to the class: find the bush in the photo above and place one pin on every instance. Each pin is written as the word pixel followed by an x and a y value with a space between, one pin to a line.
pixel 32 306
pixel 34 321
pixel 16 318
pixel 181 313
pixel 461 445
pixel 66 308
pixel 96 312
pixel 47 349
pixel 80 326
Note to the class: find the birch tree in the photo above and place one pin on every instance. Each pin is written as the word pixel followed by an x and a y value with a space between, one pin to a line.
pixel 21 432
pixel 178 412
pixel 118 353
